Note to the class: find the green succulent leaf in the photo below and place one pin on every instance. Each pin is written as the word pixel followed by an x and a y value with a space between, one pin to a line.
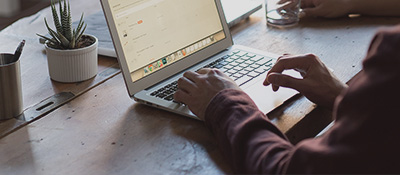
pixel 55 46
pixel 72 43
pixel 61 9
pixel 65 37
pixel 80 35
pixel 64 41
pixel 51 31
pixel 51 40
pixel 68 27
pixel 64 19
pixel 80 25
pixel 55 18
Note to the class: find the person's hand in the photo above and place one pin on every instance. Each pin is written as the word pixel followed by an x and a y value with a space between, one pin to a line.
pixel 196 89
pixel 326 8
pixel 319 85
pixel 288 5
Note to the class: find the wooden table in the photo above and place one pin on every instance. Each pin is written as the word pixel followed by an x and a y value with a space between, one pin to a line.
pixel 98 129
pixel 38 89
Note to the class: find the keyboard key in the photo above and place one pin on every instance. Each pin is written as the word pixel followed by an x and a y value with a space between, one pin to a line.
pixel 251 55
pixel 249 69
pixel 224 57
pixel 243 65
pixel 241 53
pixel 231 71
pixel 170 97
pixel 239 61
pixel 234 64
pixel 229 74
pixel 222 69
pixel 263 61
pixel 256 58
pixel 254 66
pixel 243 72
pixel 235 57
pixel 249 62
pixel 224 63
pixel 253 74
pixel 237 75
pixel 211 65
pixel 238 68
pixel 229 60
pixel 265 67
pixel 243 80
pixel 218 66
pixel 228 67
pixel 260 70
pixel 161 95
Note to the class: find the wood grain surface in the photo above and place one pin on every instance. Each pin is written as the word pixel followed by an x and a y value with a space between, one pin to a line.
pixel 36 83
pixel 103 131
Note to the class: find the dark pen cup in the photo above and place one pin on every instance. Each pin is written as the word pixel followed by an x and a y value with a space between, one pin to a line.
pixel 10 87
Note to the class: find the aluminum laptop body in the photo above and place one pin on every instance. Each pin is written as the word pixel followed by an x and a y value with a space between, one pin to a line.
pixel 156 41
pixel 238 10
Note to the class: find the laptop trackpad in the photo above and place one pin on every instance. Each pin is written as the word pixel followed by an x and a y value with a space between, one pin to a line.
pixel 265 98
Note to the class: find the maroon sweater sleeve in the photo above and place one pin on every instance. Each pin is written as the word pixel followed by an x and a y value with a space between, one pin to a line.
pixel 364 139
pixel 247 138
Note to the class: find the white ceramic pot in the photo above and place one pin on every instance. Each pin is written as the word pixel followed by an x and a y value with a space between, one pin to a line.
pixel 70 66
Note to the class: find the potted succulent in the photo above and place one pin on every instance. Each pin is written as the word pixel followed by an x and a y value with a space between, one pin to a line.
pixel 71 54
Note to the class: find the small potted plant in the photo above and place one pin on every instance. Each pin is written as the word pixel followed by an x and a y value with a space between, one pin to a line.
pixel 71 54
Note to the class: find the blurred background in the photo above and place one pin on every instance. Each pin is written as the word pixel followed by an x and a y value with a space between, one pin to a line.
pixel 12 10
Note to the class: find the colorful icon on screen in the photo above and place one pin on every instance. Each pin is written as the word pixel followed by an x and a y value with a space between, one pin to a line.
pixel 151 67
pixel 159 64
pixel 164 61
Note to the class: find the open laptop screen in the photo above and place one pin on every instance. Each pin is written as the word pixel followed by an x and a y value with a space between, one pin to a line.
pixel 156 33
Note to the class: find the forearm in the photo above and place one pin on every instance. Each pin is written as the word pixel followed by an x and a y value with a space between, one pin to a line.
pixel 246 137
pixel 375 7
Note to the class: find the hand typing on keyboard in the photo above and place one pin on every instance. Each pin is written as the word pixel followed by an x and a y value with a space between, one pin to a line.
pixel 241 66
pixel 196 89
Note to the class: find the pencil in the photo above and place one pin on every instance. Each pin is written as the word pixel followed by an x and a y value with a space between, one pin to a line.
pixel 17 53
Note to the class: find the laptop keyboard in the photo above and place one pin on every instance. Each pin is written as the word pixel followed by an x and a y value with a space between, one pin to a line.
pixel 241 66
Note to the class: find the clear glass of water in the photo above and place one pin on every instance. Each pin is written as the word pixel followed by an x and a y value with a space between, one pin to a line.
pixel 282 12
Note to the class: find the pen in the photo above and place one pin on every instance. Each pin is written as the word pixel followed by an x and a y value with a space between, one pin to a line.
pixel 17 53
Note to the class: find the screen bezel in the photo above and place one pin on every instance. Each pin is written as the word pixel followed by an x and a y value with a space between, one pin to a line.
pixel 179 66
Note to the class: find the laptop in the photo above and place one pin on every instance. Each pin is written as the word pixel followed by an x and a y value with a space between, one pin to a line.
pixel 238 10
pixel 235 11
pixel 158 40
